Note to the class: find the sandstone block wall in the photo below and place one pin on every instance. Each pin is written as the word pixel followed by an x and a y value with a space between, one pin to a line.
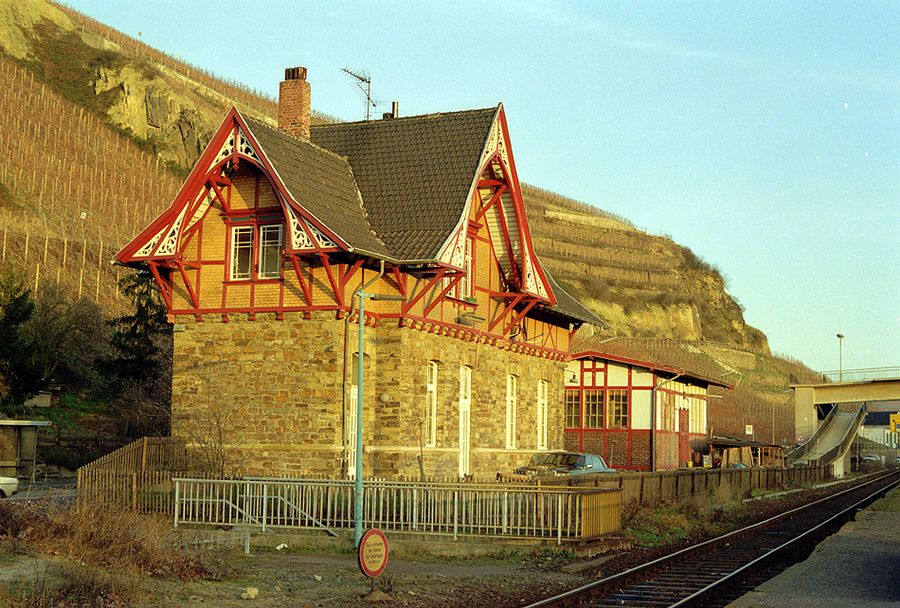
pixel 275 395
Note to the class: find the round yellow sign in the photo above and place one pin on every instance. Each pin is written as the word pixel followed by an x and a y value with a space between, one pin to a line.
pixel 373 553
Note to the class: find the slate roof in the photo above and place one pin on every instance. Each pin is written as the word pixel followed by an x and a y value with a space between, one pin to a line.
pixel 569 306
pixel 393 188
pixel 666 355
pixel 322 182
pixel 414 173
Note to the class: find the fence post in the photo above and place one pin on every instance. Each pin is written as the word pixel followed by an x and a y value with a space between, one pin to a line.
pixel 505 510
pixel 265 498
pixel 559 510
pixel 134 491
pixel 144 455
pixel 177 505
pixel 455 511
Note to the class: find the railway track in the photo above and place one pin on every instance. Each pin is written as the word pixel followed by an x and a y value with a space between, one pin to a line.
pixel 719 570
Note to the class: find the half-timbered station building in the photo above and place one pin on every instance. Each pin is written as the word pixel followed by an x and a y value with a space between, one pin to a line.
pixel 637 413
pixel 258 258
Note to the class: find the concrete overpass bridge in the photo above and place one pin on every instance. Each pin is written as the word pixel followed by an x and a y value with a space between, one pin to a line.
pixel 830 442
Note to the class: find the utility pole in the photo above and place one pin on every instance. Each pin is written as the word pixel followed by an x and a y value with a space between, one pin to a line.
pixel 840 338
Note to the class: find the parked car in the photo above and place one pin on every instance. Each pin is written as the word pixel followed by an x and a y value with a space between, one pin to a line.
pixel 564 463
pixel 8 486
pixel 871 458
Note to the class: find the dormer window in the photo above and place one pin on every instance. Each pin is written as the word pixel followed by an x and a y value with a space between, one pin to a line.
pixel 261 244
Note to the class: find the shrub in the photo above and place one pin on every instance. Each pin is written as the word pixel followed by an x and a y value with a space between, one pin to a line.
pixel 108 538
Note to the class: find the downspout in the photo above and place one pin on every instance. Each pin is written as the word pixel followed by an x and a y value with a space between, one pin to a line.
pixel 348 355
pixel 653 419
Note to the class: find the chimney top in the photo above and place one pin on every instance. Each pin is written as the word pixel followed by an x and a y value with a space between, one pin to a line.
pixel 296 73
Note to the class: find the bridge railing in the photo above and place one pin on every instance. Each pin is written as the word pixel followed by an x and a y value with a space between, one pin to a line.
pixel 804 448
pixel 863 374
pixel 844 445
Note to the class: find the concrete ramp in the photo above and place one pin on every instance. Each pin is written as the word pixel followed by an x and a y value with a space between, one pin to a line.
pixel 831 441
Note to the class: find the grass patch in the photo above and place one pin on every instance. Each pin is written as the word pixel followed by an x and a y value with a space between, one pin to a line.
pixel 658 526
pixel 890 503
pixel 75 585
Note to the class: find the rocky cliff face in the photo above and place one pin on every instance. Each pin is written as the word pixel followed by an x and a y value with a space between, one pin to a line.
pixel 641 284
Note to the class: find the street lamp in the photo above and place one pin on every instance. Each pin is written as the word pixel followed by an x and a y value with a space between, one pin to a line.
pixel 363 296
pixel 840 338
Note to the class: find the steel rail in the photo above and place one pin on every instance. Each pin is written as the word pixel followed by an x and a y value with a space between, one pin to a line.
pixel 712 587
pixel 573 596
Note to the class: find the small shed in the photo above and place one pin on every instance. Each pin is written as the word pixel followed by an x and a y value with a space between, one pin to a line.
pixel 728 451
pixel 18 446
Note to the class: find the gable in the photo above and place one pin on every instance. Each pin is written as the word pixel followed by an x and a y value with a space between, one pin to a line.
pixel 497 200
pixel 309 184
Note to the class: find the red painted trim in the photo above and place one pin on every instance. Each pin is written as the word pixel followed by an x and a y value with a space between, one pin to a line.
pixel 517 198
pixel 336 288
pixel 518 298
pixel 519 316
pixel 187 284
pixel 304 286
pixel 167 296
pixel 400 279
pixel 495 197
pixel 350 272
pixel 404 309
pixel 454 281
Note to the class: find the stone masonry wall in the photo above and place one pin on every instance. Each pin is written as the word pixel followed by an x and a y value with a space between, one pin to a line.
pixel 272 388
pixel 275 390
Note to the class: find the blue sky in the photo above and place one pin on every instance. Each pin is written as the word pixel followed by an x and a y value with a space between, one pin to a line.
pixel 763 135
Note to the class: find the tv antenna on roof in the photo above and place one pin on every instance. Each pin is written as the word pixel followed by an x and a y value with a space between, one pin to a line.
pixel 363 78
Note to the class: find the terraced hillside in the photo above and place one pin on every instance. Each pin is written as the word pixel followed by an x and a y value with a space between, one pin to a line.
pixel 98 130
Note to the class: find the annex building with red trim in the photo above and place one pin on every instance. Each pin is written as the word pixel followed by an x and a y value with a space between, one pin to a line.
pixel 258 258
pixel 635 412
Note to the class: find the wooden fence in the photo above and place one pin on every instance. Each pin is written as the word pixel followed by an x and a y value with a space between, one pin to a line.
pixel 451 509
pixel 136 476
pixel 704 484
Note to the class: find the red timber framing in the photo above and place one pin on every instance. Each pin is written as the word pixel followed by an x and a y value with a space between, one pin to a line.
pixel 320 275
pixel 161 246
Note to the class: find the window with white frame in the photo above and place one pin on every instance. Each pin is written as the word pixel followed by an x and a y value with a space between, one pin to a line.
pixel 542 398
pixel 618 408
pixel 266 242
pixel 430 422
pixel 512 390
pixel 270 251
pixel 467 283
pixel 593 409
pixel 241 251
pixel 573 408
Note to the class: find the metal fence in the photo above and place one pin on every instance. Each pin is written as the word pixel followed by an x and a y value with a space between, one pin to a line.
pixel 452 509
pixel 863 374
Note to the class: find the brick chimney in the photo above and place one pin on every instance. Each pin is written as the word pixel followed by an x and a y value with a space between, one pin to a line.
pixel 293 103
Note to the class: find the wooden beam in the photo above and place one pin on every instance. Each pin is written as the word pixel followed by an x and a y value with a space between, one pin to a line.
pixel 167 296
pixel 187 283
pixel 338 292
pixel 304 285
pixel 518 317
pixel 440 297
pixel 506 310
pixel 428 286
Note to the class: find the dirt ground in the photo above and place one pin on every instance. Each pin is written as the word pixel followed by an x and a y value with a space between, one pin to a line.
pixel 286 579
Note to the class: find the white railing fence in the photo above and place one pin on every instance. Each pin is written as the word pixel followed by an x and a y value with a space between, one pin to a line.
pixel 452 509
